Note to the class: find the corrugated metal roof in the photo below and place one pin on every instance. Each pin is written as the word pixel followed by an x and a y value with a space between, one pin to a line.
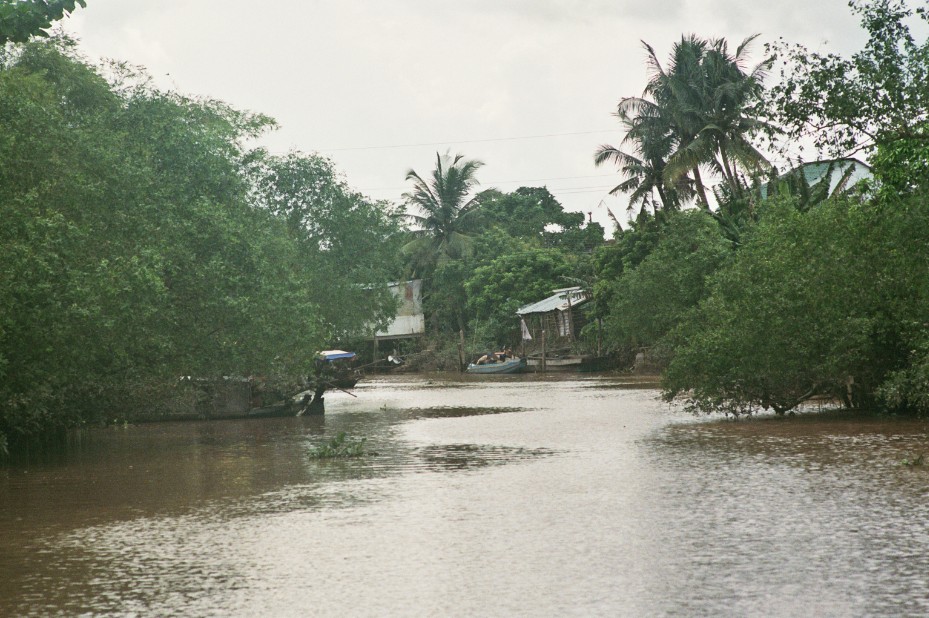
pixel 815 171
pixel 557 301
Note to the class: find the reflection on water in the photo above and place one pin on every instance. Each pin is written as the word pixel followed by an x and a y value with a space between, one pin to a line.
pixel 465 456
pixel 514 496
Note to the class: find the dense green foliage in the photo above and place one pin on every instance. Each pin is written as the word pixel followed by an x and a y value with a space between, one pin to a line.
pixel 352 244
pixel 142 241
pixel 822 302
pixel 514 273
pixel 481 291
pixel 533 214
pixel 22 19
pixel 779 324
pixel 650 300
pixel 785 290
pixel 878 97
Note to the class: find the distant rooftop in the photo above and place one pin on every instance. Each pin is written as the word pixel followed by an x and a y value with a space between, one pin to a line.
pixel 560 301
pixel 815 171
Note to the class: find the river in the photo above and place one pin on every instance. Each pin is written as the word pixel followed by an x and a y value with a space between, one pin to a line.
pixel 509 496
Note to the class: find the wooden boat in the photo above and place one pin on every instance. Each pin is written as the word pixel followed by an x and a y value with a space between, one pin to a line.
pixel 333 368
pixel 572 363
pixel 511 365
pixel 556 363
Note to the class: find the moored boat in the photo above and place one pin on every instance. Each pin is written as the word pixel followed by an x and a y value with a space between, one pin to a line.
pixel 333 370
pixel 567 363
pixel 510 365
pixel 250 399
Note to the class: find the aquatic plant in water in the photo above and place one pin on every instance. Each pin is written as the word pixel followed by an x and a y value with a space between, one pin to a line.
pixel 340 446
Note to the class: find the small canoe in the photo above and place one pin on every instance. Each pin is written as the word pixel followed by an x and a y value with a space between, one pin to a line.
pixel 512 365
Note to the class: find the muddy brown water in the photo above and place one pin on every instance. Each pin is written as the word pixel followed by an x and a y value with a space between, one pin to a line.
pixel 509 496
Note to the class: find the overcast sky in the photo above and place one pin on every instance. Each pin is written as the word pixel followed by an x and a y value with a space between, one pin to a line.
pixel 526 86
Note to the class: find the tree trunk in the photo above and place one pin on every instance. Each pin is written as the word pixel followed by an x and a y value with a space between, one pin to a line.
pixel 732 178
pixel 664 199
pixel 701 192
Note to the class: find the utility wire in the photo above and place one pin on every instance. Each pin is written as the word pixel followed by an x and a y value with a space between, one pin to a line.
pixel 466 141
pixel 569 191
pixel 499 182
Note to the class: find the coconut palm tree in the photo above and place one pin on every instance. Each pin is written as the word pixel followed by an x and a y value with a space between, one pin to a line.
pixel 729 119
pixel 706 94
pixel 673 94
pixel 445 225
pixel 446 206
pixel 693 116
pixel 648 136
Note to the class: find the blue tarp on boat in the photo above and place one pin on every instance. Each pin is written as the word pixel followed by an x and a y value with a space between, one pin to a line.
pixel 331 355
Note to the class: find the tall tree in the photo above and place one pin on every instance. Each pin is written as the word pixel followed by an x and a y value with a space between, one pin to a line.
pixel 350 244
pixel 652 297
pixel 707 95
pixel 874 102
pixel 534 213
pixel 697 114
pixel 516 275
pixel 445 227
pixel 22 19
pixel 649 136
pixel 446 220
pixel 677 94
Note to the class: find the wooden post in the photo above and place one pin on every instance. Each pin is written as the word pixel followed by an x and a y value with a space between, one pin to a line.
pixel 569 322
pixel 543 350
pixel 374 359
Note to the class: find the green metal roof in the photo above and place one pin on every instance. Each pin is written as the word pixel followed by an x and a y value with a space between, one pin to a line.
pixel 815 171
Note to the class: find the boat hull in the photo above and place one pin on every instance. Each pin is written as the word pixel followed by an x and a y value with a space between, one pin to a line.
pixel 573 363
pixel 514 365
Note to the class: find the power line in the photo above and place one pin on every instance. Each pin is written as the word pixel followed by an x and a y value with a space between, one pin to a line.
pixel 467 141
pixel 577 190
pixel 499 182
pixel 493 182
pixel 585 188
pixel 600 189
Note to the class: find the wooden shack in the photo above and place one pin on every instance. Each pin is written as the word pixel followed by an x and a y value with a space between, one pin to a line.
pixel 549 327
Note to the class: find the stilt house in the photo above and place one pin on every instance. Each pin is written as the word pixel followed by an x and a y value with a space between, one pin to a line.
pixel 557 316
